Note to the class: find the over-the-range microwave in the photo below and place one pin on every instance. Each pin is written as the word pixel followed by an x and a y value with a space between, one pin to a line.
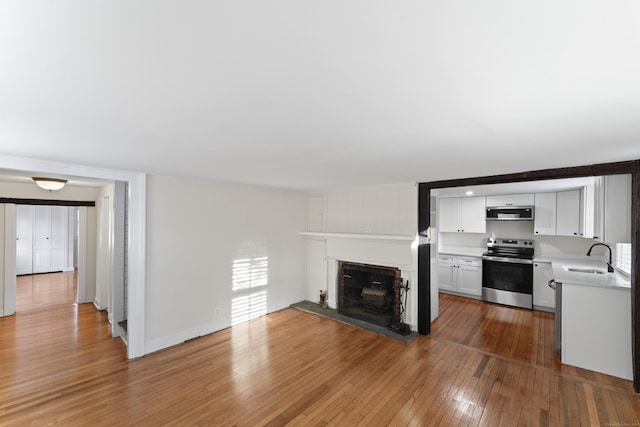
pixel 510 213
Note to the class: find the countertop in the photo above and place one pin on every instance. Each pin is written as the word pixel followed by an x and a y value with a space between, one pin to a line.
pixel 462 251
pixel 560 265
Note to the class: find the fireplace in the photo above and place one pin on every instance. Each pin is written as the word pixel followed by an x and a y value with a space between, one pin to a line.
pixel 369 292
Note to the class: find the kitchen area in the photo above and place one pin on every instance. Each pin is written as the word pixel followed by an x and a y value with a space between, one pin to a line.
pixel 561 246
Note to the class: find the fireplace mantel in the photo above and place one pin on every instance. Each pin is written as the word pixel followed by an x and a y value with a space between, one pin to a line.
pixel 390 237
pixel 388 250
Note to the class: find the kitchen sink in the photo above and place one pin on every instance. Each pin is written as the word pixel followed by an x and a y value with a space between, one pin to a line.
pixel 584 270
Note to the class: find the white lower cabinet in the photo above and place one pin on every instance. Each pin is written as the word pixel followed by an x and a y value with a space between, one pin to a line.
pixel 596 329
pixel 543 296
pixel 460 275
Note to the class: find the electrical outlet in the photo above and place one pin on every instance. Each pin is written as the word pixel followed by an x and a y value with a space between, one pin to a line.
pixel 367 229
pixel 217 311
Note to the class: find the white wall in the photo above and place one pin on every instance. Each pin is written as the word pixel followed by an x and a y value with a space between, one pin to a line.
pixel 383 209
pixel 104 208
pixel 204 239
pixel 8 260
pixel 2 258
pixel 87 246
pixel 5 300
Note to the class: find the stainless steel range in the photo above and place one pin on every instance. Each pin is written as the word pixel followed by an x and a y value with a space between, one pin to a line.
pixel 507 272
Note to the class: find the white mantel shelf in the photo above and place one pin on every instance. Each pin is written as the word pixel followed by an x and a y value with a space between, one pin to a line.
pixel 392 237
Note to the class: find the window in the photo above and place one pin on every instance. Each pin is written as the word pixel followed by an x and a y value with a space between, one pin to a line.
pixel 623 257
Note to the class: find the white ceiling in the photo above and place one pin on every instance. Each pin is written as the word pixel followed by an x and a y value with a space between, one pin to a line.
pixel 321 94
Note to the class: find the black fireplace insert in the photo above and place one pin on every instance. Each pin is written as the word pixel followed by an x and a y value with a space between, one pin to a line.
pixel 369 292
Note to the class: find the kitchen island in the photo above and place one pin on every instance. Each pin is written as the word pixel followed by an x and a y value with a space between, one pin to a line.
pixel 596 317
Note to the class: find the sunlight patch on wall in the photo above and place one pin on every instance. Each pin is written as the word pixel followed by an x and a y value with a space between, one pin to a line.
pixel 249 280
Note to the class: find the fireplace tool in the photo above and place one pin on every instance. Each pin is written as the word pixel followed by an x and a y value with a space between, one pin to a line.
pixel 399 324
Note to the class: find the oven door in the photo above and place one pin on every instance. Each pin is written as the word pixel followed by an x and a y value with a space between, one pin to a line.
pixel 507 281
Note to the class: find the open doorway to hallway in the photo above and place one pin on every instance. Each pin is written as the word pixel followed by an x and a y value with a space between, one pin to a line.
pixel 128 294
pixel 46 256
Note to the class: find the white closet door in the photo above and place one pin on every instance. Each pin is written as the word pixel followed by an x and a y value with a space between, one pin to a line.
pixel 41 239
pixel 58 237
pixel 24 239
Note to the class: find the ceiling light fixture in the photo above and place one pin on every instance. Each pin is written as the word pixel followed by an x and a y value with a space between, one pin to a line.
pixel 469 193
pixel 50 184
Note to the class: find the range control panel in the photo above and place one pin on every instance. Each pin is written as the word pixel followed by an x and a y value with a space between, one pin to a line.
pixel 514 243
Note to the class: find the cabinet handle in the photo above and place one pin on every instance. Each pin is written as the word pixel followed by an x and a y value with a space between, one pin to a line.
pixel 552 283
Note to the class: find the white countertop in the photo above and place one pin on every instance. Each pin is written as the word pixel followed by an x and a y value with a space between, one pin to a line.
pixel 561 273
pixel 560 262
pixel 462 251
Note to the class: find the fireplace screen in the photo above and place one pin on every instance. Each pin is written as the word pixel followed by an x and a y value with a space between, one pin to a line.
pixel 369 292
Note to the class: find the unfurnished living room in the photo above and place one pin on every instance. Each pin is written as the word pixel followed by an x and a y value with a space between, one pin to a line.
pixel 319 213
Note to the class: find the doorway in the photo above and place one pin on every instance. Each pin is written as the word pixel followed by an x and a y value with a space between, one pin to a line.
pixel 46 256
pixel 425 230
pixel 136 184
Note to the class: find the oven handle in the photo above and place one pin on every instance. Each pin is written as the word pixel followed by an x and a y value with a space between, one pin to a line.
pixel 509 260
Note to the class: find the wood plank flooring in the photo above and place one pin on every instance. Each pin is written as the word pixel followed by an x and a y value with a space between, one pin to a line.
pixel 484 365
pixel 42 290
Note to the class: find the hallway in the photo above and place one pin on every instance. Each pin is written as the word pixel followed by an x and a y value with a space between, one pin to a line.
pixel 44 290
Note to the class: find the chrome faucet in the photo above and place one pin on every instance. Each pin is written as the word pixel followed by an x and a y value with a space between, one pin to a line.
pixel 609 266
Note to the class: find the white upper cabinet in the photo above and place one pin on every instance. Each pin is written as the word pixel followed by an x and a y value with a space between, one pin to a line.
pixel 613 209
pixel 472 215
pixel 544 222
pixel 462 215
pixel 569 213
pixel 565 213
pixel 511 200
pixel 449 214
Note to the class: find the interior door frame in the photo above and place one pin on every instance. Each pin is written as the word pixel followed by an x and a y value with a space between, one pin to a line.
pixel 631 167
pixel 136 254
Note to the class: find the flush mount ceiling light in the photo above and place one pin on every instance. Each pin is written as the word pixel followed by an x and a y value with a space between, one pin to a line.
pixel 50 184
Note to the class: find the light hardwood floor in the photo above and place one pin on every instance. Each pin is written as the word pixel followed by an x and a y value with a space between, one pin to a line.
pixel 484 365
pixel 42 290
